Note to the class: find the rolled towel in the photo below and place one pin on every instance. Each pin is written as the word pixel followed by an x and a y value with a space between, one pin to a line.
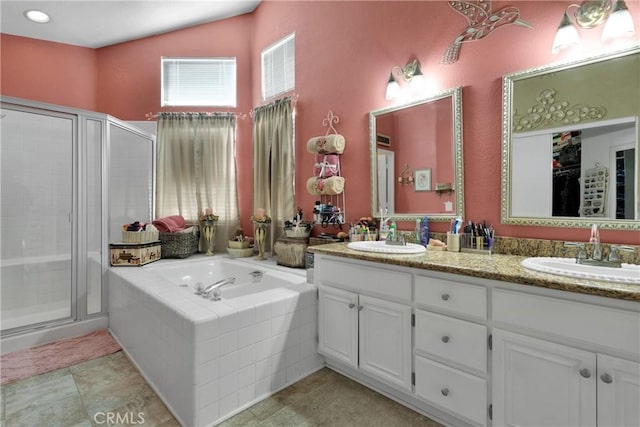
pixel 165 225
pixel 329 186
pixel 179 220
pixel 326 165
pixel 169 224
pixel 329 144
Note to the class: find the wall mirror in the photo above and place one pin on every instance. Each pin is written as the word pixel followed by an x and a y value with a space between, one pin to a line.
pixel 416 159
pixel 570 143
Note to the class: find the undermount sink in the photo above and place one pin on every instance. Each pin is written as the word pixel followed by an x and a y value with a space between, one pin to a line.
pixel 382 247
pixel 628 273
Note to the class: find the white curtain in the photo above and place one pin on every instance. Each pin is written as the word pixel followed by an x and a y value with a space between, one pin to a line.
pixel 273 164
pixel 196 169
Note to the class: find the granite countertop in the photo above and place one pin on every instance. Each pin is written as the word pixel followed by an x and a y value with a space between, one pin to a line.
pixel 495 266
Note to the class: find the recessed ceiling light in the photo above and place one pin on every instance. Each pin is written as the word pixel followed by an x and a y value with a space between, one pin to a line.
pixel 36 16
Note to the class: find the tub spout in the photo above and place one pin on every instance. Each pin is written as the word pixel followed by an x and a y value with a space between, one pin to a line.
pixel 215 288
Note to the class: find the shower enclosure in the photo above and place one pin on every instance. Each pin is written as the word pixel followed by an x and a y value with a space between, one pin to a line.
pixel 69 180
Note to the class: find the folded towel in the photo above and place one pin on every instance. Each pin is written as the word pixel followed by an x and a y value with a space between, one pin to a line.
pixel 169 224
pixel 329 186
pixel 330 144
pixel 326 165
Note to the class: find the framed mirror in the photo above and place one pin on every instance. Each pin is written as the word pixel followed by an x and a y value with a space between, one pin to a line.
pixel 416 159
pixel 570 143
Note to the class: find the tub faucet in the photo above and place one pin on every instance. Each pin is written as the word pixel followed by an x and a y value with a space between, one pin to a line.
pixel 215 288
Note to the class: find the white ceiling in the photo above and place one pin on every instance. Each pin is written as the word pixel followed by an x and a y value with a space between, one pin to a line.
pixel 101 23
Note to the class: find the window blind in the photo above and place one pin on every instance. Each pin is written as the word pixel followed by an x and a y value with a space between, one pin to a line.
pixel 278 67
pixel 199 82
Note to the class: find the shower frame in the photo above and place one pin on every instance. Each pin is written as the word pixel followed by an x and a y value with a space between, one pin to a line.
pixel 80 319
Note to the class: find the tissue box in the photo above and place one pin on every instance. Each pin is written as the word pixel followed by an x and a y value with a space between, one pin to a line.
pixel 134 255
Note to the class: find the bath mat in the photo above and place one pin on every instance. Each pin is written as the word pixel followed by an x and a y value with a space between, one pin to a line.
pixel 58 354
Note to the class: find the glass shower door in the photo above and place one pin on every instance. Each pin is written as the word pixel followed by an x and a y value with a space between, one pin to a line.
pixel 36 212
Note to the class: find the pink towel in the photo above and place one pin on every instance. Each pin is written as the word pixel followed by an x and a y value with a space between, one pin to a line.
pixel 169 224
pixel 327 165
pixel 179 220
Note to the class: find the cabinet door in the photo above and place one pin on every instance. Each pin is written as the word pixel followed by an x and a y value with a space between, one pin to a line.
pixel 539 383
pixel 338 325
pixel 385 341
pixel 618 392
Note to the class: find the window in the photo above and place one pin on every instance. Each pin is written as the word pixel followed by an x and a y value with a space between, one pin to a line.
pixel 278 67
pixel 199 82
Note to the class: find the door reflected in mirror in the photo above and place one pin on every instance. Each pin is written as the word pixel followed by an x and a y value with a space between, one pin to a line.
pixel 579 167
pixel 570 143
pixel 423 138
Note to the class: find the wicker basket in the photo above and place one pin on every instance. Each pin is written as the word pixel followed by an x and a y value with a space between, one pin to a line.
pixel 179 245
pixel 139 236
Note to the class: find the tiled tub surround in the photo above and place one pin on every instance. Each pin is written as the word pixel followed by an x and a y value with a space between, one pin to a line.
pixel 209 360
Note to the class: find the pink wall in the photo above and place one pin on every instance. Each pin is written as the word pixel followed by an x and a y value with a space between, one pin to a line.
pixel 48 72
pixel 129 81
pixel 344 52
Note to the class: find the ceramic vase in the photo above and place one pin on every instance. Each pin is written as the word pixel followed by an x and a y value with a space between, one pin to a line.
pixel 207 236
pixel 260 235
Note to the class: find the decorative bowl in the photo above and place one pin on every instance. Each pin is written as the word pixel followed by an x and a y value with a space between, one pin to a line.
pixel 240 253
pixel 236 244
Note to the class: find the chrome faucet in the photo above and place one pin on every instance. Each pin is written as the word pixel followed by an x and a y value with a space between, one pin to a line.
pixel 596 255
pixel 215 288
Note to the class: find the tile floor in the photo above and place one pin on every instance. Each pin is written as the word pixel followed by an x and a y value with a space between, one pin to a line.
pixel 83 394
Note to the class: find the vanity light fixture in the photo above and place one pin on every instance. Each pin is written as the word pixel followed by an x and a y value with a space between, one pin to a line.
pixel 590 14
pixel 406 177
pixel 410 73
pixel 37 16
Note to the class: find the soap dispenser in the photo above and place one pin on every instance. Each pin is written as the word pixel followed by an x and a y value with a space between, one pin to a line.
pixel 424 238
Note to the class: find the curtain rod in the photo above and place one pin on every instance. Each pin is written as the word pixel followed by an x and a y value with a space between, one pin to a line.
pixel 153 116
pixel 293 97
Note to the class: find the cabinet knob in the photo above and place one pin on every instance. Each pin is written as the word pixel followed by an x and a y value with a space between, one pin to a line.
pixel 606 378
pixel 445 297
pixel 351 305
pixel 445 339
pixel 360 307
pixel 445 392
pixel 585 373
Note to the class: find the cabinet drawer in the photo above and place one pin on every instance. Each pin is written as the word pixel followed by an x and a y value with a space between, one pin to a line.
pixel 459 392
pixel 458 298
pixel 368 280
pixel 452 339
pixel 611 328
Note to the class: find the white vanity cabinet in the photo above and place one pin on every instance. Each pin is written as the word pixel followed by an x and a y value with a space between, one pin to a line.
pixel 481 352
pixel 553 368
pixel 363 331
pixel 539 383
pixel 451 350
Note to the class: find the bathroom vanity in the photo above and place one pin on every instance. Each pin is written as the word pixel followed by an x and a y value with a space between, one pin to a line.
pixel 478 340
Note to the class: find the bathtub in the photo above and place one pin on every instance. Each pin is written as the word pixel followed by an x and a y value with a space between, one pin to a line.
pixel 209 360
pixel 249 278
